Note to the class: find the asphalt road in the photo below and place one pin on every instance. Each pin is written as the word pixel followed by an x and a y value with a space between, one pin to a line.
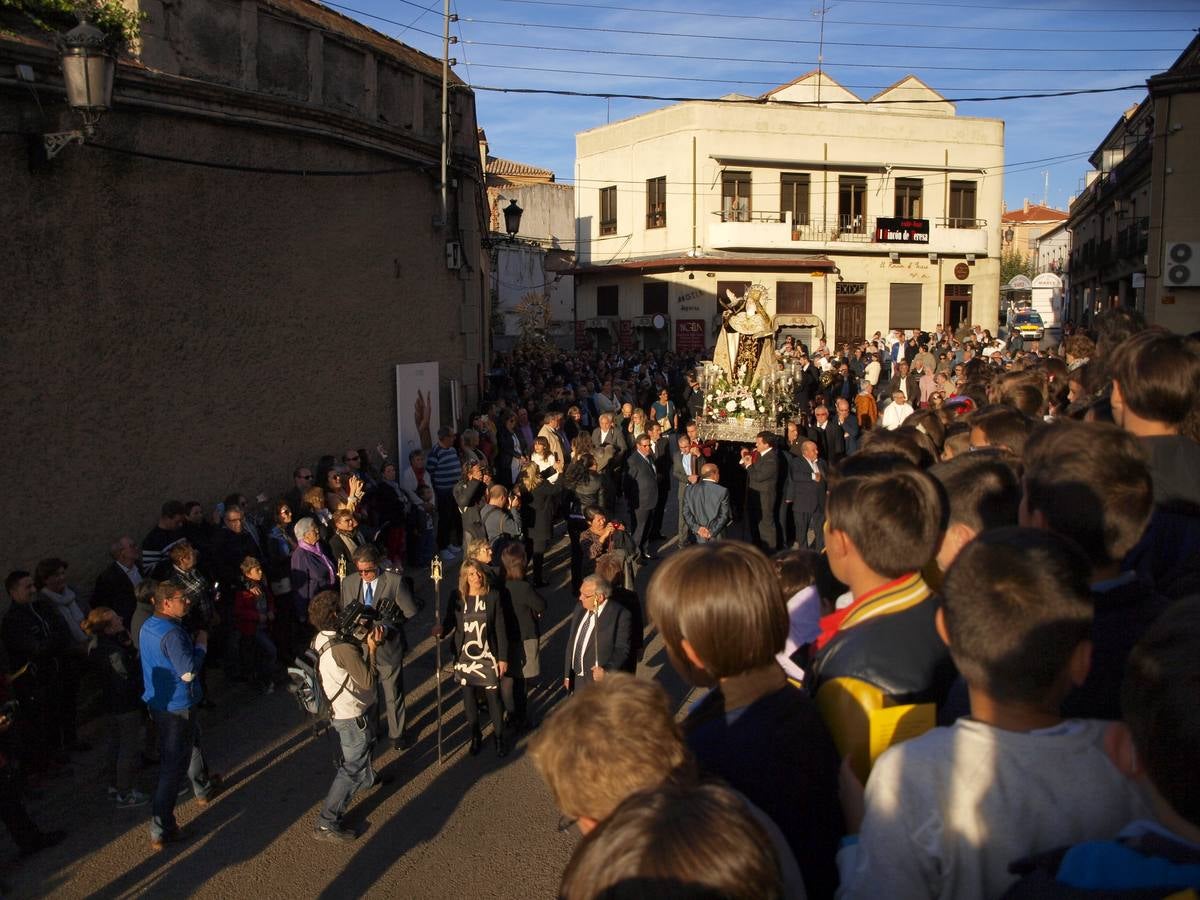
pixel 473 827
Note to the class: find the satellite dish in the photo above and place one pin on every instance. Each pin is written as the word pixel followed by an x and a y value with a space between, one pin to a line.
pixel 659 322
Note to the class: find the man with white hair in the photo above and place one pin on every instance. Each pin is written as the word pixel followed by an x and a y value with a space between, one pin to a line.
pixel 115 586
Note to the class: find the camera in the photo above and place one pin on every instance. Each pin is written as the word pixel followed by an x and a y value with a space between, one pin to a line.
pixel 358 619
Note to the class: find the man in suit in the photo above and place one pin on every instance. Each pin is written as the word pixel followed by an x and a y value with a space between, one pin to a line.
pixel 830 441
pixel 372 584
pixel 610 450
pixel 686 470
pixel 807 383
pixel 660 450
pixel 806 487
pixel 907 383
pixel 115 585
pixel 847 421
pixel 762 494
pixel 706 507
pixel 551 425
pixel 599 638
pixel 641 493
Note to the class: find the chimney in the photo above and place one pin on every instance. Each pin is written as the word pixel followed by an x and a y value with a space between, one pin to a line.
pixel 1026 204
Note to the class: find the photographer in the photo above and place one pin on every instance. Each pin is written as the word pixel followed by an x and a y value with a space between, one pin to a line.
pixel 603 535
pixel 349 684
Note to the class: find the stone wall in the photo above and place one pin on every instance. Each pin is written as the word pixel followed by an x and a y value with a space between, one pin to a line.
pixel 183 331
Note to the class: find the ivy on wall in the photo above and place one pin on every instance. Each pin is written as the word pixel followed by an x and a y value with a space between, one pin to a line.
pixel 59 16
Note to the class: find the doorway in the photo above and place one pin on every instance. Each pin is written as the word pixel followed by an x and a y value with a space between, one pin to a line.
pixel 850 318
pixel 957 311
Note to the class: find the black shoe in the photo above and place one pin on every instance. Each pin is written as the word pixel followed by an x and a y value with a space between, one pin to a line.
pixel 501 747
pixel 43 840
pixel 658 537
pixel 649 557
pixel 382 780
pixel 402 743
pixel 476 744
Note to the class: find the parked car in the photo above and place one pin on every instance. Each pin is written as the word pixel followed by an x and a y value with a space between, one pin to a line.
pixel 1028 324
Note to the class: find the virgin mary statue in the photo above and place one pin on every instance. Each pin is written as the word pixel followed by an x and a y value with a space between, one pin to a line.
pixel 747 336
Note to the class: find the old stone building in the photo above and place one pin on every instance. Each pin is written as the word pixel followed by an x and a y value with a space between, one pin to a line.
pixel 218 285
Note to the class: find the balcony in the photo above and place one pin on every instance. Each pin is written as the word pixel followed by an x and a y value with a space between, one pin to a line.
pixel 765 230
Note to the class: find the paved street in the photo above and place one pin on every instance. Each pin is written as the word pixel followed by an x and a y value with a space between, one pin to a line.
pixel 478 827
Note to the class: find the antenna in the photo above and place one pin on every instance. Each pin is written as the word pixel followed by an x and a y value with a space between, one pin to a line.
pixel 1046 187
pixel 820 13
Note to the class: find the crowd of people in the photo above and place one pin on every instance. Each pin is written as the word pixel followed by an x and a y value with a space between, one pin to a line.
pixel 997 541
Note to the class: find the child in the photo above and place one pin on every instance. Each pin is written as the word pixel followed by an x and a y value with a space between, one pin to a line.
pixel 424 526
pixel 253 613
pixel 884 519
pixel 945 813
pixel 117 660
pixel 1157 747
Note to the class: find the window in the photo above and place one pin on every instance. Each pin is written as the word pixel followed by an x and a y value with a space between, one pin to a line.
pixel 656 202
pixel 905 310
pixel 908 198
pixel 654 298
pixel 608 210
pixel 962 205
pixel 735 197
pixel 793 297
pixel 793 197
pixel 852 203
pixel 606 300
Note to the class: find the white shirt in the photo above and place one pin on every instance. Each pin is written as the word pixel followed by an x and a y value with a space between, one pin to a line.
pixel 586 628
pixel 894 415
pixel 132 573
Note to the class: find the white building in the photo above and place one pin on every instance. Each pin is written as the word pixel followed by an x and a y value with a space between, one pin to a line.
pixel 857 216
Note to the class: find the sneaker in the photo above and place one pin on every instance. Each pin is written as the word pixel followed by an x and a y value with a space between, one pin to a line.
pixel 169 837
pixel 335 835
pixel 132 799
pixel 214 788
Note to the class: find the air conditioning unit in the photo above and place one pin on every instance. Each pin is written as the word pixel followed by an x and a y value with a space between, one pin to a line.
pixel 454 255
pixel 1182 268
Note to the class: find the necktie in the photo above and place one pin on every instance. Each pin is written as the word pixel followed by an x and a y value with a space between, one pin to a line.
pixel 370 601
pixel 580 643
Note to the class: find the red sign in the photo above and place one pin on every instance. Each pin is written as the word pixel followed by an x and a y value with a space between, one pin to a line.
pixel 625 340
pixel 689 335
pixel 581 337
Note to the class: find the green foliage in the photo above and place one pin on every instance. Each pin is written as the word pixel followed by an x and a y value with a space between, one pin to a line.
pixel 1014 263
pixel 59 16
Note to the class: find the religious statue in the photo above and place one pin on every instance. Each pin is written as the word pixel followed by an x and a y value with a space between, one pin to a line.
pixel 746 343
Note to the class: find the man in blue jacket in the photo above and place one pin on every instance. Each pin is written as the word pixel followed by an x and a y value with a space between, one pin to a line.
pixel 171 661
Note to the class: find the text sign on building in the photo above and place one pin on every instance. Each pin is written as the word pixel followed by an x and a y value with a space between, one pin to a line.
pixel 581 337
pixel 901 231
pixel 625 336
pixel 689 335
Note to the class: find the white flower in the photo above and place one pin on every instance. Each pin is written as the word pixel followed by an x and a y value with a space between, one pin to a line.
pixel 731 405
pixel 748 403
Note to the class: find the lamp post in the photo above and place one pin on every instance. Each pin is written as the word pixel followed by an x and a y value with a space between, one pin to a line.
pixel 88 66
pixel 512 219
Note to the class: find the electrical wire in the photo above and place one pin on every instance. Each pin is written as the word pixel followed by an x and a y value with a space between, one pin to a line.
pixel 612 95
pixel 689 78
pixel 404 26
pixel 928 25
pixel 802 62
pixel 256 170
pixel 1009 8
pixel 812 42
pixel 458 27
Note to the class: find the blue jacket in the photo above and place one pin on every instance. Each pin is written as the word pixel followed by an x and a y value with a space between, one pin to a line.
pixel 171 664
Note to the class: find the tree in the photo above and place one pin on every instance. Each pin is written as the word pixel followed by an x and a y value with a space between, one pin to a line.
pixel 1014 263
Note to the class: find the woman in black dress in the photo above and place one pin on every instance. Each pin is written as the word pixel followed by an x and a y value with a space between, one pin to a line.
pixel 540 503
pixel 523 608
pixel 481 649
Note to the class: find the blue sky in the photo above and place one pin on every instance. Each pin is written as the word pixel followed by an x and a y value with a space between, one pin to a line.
pixel 705 48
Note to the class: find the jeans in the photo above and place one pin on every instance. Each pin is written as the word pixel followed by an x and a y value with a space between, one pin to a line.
pixel 179 756
pixel 124 745
pixel 355 737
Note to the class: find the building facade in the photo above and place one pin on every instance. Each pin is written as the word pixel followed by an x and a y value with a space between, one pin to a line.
pixel 218 287
pixel 1021 229
pixel 531 269
pixel 1135 229
pixel 856 216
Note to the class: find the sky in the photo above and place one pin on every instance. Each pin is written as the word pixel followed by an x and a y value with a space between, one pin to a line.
pixel 708 48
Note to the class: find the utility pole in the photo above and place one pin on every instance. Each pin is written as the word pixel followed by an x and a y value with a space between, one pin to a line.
pixel 1046 187
pixel 447 62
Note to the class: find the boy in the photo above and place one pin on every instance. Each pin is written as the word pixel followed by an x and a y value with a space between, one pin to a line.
pixel 945 813
pixel 883 524
pixel 1157 746
pixel 1090 482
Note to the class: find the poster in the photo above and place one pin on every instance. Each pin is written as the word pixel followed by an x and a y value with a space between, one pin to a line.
pixel 581 336
pixel 625 339
pixel 418 407
pixel 689 335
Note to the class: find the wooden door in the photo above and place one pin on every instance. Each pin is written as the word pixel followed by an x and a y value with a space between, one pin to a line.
pixel 850 324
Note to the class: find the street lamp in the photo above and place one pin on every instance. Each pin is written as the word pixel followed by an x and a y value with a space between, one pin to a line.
pixel 512 218
pixel 1009 234
pixel 88 66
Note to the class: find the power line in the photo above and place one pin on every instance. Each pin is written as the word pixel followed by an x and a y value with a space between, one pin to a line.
pixel 256 170
pixel 690 78
pixel 792 19
pixel 774 40
pixel 1009 8
pixel 404 26
pixel 603 95
pixel 801 62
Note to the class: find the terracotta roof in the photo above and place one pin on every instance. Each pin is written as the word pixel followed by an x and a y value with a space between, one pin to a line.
pixel 1035 213
pixel 802 263
pixel 498 166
